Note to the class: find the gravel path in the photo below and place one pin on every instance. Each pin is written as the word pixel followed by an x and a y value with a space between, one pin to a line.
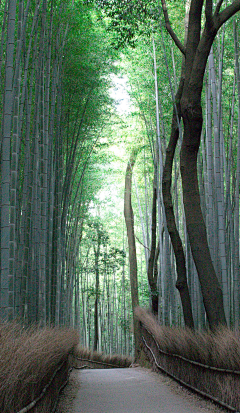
pixel 133 390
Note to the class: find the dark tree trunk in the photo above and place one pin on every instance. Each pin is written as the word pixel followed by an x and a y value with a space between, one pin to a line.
pixel 211 290
pixel 196 52
pixel 181 283
pixel 129 219
pixel 152 276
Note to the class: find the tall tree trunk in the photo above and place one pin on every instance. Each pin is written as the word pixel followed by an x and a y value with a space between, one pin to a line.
pixel 192 118
pixel 7 281
pixel 218 170
pixel 129 219
pixel 198 46
pixel 152 277
pixel 181 283
pixel 211 290
pixel 96 257
pixel 236 220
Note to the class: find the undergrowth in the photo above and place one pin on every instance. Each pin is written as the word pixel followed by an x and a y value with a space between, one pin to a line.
pixel 28 359
pixel 115 360
pixel 220 349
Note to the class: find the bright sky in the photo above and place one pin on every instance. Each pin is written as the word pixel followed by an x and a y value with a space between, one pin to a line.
pixel 119 93
pixel 110 195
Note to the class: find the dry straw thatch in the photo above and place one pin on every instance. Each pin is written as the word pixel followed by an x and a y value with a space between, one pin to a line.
pixel 28 359
pixel 30 356
pixel 83 355
pixel 220 349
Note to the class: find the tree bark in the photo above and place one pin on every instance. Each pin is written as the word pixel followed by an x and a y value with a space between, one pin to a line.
pixel 211 290
pixel 197 52
pixel 181 283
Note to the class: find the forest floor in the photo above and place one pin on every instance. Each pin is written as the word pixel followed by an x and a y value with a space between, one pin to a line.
pixel 130 390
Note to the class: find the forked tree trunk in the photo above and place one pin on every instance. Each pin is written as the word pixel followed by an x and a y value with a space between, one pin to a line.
pixel 181 283
pixel 192 119
pixel 197 50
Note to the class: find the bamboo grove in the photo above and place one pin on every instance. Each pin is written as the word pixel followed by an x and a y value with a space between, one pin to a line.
pixel 60 262
pixel 53 104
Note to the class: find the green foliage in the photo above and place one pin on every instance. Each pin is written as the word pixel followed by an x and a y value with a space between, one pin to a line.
pixel 131 20
pixel 127 19
pixel 86 104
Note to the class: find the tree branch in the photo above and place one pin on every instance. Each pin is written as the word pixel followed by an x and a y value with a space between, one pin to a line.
pixel 221 18
pixel 141 243
pixel 208 13
pixel 218 7
pixel 170 30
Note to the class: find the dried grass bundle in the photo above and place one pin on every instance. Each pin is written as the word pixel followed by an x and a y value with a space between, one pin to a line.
pixel 114 359
pixel 220 349
pixel 28 358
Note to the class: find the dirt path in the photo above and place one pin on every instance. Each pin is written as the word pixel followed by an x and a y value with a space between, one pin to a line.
pixel 133 390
